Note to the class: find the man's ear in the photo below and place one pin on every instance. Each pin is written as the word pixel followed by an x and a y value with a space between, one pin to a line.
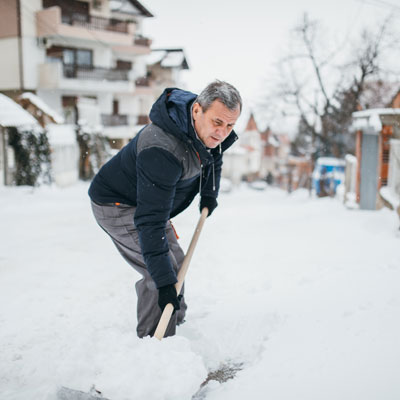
pixel 196 109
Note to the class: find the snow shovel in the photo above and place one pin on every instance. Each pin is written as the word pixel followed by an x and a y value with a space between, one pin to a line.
pixel 169 308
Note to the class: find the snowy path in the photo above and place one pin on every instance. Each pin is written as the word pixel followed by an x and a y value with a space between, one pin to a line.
pixel 303 291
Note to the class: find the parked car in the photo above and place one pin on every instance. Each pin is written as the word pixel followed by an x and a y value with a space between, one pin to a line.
pixel 328 174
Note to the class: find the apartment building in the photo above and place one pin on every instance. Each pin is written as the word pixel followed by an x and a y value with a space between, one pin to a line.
pixel 86 59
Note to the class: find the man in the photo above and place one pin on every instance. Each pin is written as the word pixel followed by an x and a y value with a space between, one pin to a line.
pixel 155 177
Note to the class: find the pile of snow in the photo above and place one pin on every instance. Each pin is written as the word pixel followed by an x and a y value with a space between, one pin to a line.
pixel 390 196
pixel 59 135
pixel 302 291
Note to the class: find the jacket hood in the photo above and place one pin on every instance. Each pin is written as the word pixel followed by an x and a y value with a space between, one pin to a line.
pixel 171 112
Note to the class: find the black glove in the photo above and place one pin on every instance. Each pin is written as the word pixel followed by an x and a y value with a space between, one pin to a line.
pixel 209 202
pixel 167 294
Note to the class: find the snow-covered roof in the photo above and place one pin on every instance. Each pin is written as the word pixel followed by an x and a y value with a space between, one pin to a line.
pixel 12 114
pixel 371 119
pixel 39 103
pixel 379 111
pixel 168 58
pixel 132 7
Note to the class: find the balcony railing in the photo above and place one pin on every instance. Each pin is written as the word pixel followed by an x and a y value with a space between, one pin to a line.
pixel 94 73
pixel 114 119
pixel 98 23
pixel 142 41
pixel 143 82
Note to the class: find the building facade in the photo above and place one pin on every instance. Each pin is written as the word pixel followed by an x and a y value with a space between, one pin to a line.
pixel 86 59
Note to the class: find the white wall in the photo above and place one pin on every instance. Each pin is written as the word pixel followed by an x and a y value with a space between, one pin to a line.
pixel 139 66
pixel 2 166
pixel 102 57
pixel 53 99
pixel 32 54
pixel 28 16
pixel 127 105
pixel 9 68
pixel 394 166
pixel 104 101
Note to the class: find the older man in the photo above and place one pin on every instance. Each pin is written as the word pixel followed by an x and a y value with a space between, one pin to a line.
pixel 155 177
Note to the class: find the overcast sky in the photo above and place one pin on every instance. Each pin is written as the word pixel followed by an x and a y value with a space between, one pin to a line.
pixel 239 41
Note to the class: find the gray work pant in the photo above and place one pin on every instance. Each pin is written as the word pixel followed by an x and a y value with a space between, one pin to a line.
pixel 117 222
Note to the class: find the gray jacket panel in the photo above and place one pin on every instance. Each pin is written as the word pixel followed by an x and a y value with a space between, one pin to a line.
pixel 154 136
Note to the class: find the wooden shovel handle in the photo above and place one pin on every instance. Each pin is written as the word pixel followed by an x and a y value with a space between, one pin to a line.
pixel 169 309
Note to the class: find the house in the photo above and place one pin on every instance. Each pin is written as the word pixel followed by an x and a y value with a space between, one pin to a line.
pixel 11 116
pixel 164 68
pixel 62 139
pixel 242 161
pixel 250 141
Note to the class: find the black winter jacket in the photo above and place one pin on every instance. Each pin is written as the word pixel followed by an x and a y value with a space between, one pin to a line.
pixel 159 172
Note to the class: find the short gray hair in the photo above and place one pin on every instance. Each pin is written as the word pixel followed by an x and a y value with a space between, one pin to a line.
pixel 227 94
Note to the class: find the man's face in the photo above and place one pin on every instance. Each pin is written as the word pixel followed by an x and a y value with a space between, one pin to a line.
pixel 214 125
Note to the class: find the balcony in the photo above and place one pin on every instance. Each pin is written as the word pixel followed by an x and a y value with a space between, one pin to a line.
pixel 55 75
pixel 138 46
pixel 114 119
pixel 97 23
pixel 143 82
pixel 51 22
pixel 142 41
pixel 94 73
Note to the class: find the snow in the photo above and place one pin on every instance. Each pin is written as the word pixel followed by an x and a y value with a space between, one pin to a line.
pixel 41 105
pixel 61 134
pixel 12 114
pixel 362 120
pixel 303 291
pixel 390 196
pixel 350 158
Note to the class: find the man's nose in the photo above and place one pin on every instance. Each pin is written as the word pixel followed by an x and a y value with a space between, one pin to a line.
pixel 222 132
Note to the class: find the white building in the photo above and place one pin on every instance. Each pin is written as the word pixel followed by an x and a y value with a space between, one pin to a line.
pixel 83 58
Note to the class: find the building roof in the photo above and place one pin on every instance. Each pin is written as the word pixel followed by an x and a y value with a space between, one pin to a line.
pixel 168 58
pixel 130 7
pixel 251 124
pixel 12 114
pixel 42 106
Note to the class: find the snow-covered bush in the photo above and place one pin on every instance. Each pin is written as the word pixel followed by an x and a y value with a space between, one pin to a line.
pixel 32 156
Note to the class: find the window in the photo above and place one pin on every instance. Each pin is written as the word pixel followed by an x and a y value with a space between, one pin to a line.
pixel 84 57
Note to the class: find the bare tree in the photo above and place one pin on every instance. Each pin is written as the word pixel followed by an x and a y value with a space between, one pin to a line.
pixel 322 84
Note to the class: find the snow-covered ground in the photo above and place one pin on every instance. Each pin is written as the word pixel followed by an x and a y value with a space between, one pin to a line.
pixel 304 292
